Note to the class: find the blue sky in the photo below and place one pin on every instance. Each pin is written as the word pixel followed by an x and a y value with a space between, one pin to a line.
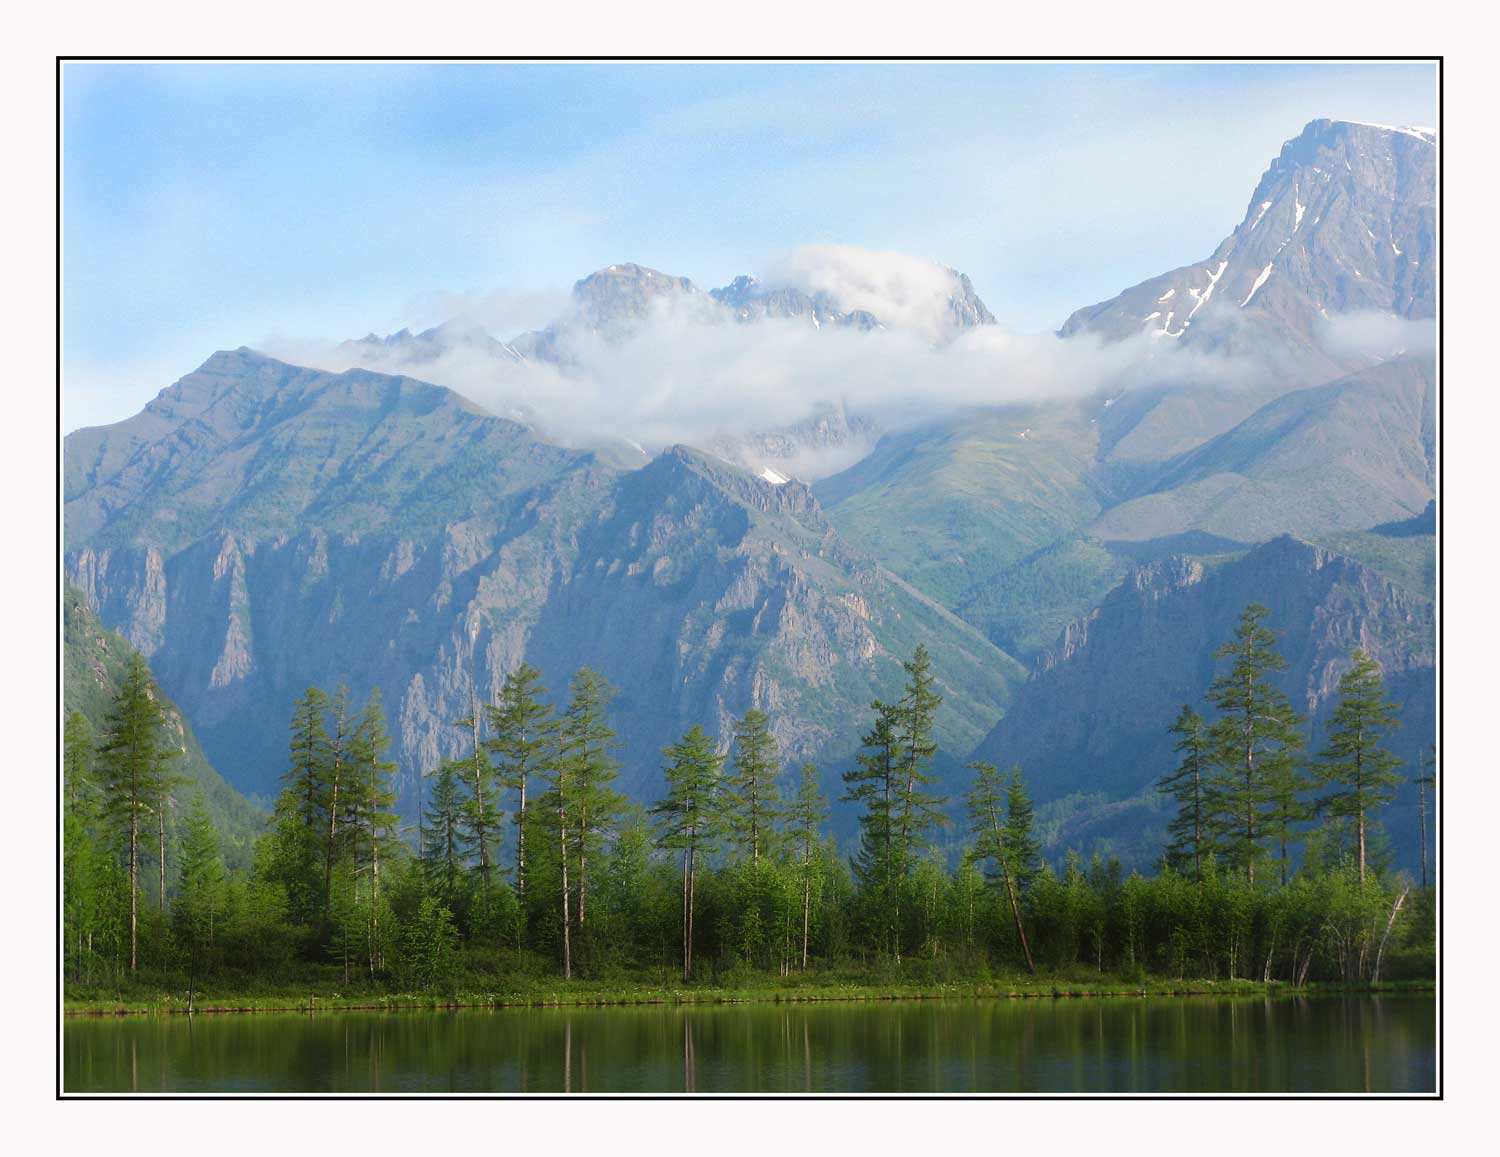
pixel 212 206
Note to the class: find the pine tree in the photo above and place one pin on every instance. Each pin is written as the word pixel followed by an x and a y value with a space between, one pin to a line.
pixel 692 818
pixel 804 819
pixel 1251 743
pixel 522 731
pixel 1362 772
pixel 874 784
pixel 753 801
pixel 920 809
pixel 1188 785
pixel 133 765
pixel 989 824
pixel 307 778
pixel 443 836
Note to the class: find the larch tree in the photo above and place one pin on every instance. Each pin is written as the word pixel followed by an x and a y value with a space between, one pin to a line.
pixel 1188 785
pixel 480 815
pixel 1360 772
pixel 753 802
pixel 133 769
pixel 804 817
pixel 335 762
pixel 372 823
pixel 691 818
pixel 200 888
pixel 988 804
pixel 521 735
pixel 920 809
pixel 79 787
pixel 1251 742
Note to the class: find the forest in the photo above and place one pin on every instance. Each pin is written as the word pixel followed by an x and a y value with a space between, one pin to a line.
pixel 527 873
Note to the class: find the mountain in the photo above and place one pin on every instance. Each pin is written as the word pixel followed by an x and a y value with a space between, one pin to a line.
pixel 1344 220
pixel 1341 456
pixel 260 527
pixel 94 662
pixel 1019 518
pixel 1089 728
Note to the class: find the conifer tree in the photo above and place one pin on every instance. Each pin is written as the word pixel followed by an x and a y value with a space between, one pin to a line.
pixel 521 734
pixel 587 741
pixel 1361 772
pixel 372 824
pixel 1252 743
pixel 133 763
pixel 692 818
pixel 1019 845
pixel 920 808
pixel 805 816
pixel 1188 785
pixel 442 836
pixel 336 759
pixel 480 816
pixel 200 890
pixel 874 783
pixel 78 765
pixel 753 802
pixel 989 820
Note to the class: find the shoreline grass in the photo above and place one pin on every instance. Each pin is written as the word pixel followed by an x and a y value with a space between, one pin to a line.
pixel 585 995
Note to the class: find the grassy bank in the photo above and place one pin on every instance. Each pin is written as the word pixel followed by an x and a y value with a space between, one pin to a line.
pixel 797 990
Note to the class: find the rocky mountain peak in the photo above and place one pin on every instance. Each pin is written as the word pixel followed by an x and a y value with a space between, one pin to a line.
pixel 1342 221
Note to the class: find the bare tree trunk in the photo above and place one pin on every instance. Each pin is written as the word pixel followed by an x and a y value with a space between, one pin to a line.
pixel 806 909
pixel 687 950
pixel 1422 809
pixel 479 798
pixel 1380 955
pixel 521 841
pixel 161 854
pixel 1015 910
pixel 692 903
pixel 562 827
pixel 135 875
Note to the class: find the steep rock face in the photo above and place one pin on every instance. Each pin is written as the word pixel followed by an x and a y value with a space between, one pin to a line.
pixel 1344 220
pixel 697 588
pixel 1091 721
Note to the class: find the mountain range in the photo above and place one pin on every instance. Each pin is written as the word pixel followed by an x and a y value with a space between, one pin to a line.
pixel 1070 560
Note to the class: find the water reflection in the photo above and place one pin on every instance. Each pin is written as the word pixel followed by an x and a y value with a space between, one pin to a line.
pixel 1329 1044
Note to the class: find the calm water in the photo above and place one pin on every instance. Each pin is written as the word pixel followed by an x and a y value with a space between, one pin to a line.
pixel 1192 1044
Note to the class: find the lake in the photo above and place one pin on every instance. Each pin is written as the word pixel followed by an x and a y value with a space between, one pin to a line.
pixel 1325 1044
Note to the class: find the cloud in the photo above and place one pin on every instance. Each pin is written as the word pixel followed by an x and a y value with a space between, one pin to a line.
pixel 901 290
pixel 686 375
pixel 1371 333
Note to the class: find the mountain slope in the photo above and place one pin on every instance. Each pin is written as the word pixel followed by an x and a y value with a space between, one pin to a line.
pixel 452 546
pixel 94 662
pixel 1089 727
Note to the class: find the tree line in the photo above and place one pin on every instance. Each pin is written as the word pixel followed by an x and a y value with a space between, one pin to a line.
pixel 525 862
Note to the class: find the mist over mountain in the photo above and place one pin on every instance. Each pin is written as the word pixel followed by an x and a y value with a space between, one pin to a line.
pixel 765 494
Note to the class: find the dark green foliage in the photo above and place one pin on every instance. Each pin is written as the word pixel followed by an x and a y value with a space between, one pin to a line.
pixel 334 897
pixel 1253 747
pixel 1359 771
pixel 1188 785
pixel 752 803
